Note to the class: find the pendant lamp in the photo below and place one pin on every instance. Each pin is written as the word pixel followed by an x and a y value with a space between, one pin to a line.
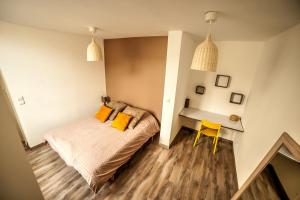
pixel 206 54
pixel 93 52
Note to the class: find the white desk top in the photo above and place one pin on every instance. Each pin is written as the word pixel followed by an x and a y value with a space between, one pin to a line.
pixel 197 114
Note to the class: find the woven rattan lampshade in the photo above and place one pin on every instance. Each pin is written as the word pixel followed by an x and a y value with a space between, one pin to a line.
pixel 205 56
pixel 93 52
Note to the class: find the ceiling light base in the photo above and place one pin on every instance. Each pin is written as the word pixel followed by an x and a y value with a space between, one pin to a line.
pixel 210 17
pixel 92 29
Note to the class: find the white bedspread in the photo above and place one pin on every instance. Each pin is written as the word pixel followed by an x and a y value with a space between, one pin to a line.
pixel 96 150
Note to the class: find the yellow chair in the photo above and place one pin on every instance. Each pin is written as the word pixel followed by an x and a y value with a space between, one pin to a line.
pixel 209 129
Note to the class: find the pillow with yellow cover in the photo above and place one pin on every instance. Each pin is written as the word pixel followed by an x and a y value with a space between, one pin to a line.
pixel 103 113
pixel 121 121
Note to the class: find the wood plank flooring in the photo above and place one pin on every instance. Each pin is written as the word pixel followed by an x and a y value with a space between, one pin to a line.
pixel 262 187
pixel 154 173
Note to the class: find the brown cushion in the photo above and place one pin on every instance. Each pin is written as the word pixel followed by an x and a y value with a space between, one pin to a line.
pixel 117 107
pixel 136 113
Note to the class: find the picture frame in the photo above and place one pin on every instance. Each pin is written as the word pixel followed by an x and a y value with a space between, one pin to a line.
pixel 200 89
pixel 222 81
pixel 236 98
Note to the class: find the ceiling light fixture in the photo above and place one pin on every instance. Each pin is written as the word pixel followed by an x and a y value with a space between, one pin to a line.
pixel 93 52
pixel 206 54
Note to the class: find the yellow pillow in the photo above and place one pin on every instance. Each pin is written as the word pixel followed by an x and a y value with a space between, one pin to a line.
pixel 103 113
pixel 121 122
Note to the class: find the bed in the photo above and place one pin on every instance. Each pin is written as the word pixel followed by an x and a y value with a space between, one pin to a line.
pixel 96 150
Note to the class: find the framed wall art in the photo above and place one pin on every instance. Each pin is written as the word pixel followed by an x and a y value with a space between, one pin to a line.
pixel 222 81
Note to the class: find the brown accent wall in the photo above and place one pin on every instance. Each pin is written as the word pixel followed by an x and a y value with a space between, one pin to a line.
pixel 135 71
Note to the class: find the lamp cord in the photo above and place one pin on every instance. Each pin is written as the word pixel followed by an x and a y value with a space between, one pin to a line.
pixel 93 33
pixel 210 28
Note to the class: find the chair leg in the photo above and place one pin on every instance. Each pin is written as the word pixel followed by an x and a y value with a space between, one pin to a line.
pixel 197 138
pixel 216 142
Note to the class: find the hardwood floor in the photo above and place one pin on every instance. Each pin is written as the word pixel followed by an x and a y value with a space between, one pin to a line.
pixel 265 186
pixel 261 188
pixel 154 173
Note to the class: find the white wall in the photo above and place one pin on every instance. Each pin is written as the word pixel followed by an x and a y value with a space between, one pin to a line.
pixel 171 74
pixel 17 180
pixel 188 46
pixel 179 57
pixel 50 70
pixel 237 59
pixel 273 104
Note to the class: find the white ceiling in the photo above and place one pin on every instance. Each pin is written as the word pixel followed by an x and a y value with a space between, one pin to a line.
pixel 238 19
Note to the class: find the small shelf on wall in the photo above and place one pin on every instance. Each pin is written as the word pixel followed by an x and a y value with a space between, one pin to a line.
pixel 236 98
pixel 200 89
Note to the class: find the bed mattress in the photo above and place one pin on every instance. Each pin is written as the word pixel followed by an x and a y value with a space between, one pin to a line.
pixel 96 150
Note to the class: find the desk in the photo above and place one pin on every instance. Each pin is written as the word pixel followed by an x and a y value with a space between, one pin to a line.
pixel 198 115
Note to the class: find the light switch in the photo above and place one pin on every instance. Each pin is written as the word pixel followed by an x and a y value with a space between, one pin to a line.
pixel 21 101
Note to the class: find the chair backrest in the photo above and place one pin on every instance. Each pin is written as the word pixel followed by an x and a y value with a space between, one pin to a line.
pixel 211 125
